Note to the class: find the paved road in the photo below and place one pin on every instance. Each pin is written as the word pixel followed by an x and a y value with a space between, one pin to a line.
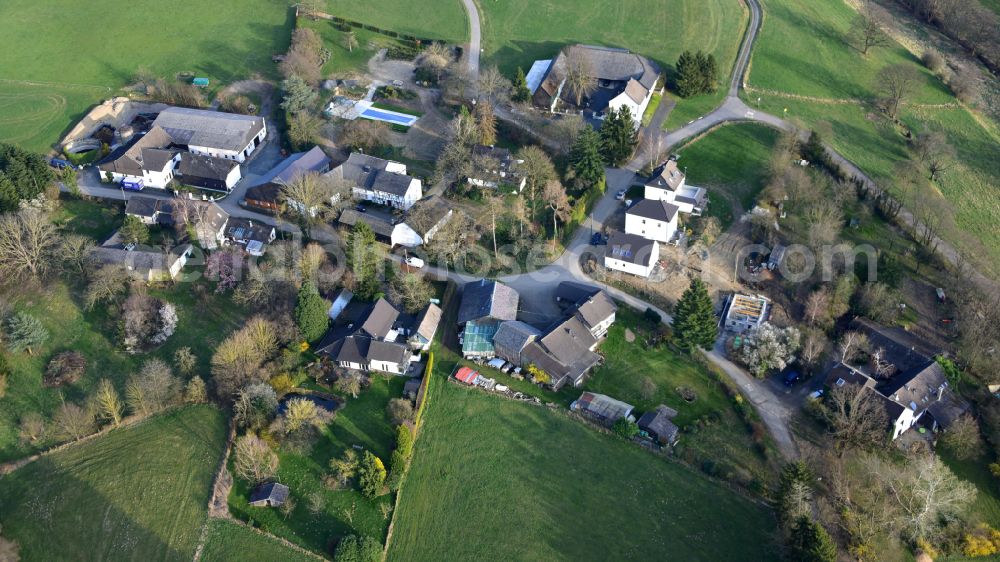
pixel 475 39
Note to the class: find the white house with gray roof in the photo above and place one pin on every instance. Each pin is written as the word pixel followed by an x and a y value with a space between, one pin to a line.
pixel 667 183
pixel 652 219
pixel 213 133
pixel 380 181
pixel 631 253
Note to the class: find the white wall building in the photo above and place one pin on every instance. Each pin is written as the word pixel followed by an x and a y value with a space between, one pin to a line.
pixel 380 181
pixel 631 253
pixel 652 219
pixel 213 133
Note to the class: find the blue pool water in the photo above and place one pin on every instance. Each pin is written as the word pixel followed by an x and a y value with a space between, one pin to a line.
pixel 389 116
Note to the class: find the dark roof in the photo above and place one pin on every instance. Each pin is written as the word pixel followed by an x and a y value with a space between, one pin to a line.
pixel 564 351
pixel 630 248
pixel 273 491
pixel 201 166
pixel 666 176
pixel 902 349
pixel 427 213
pixel 211 217
pixel 411 387
pixel 268 186
pixel 653 209
pixel 378 320
pixel 918 387
pixel 848 375
pixel 242 229
pixel 571 292
pixel 603 406
pixel 631 73
pixel 141 206
pixel 128 159
pixel 657 422
pixel 390 182
pixel 380 226
pixel 155 159
pixel 363 350
pixel 427 322
pixel 514 335
pixel 369 172
pixel 501 155
pixel 948 409
pixel 212 129
pixel 596 309
pixel 487 299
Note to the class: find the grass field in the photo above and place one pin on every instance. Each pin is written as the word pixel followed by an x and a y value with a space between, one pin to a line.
pixel 60 56
pixel 437 19
pixel 203 322
pixel 518 32
pixel 230 542
pixel 361 421
pixel 801 52
pixel 493 478
pixel 135 494
pixel 733 158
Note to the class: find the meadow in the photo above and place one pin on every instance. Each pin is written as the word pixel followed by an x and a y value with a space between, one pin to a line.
pixel 363 422
pixel 803 69
pixel 438 19
pixel 204 320
pixel 518 32
pixel 137 493
pixel 492 476
pixel 226 541
pixel 61 57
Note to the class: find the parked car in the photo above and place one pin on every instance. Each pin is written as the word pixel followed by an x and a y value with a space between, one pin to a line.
pixel 361 209
pixel 791 377
pixel 815 395
pixel 397 83
pixel 414 261
pixel 508 367
pixel 620 196
pixel 598 239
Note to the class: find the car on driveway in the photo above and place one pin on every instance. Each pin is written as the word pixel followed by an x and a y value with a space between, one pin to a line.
pixel 414 261
pixel 598 239
pixel 620 196
pixel 791 377
pixel 361 209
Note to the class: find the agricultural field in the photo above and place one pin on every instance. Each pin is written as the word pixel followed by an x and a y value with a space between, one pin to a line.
pixel 231 542
pixel 363 422
pixel 204 320
pixel 518 32
pixel 804 70
pixel 528 479
pixel 437 19
pixel 732 159
pixel 85 55
pixel 137 493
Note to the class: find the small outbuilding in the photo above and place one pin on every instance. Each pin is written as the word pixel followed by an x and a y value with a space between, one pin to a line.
pixel 658 425
pixel 270 494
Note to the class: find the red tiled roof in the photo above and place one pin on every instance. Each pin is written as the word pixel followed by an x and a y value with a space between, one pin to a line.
pixel 466 375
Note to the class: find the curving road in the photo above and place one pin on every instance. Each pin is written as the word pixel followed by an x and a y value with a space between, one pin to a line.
pixel 475 40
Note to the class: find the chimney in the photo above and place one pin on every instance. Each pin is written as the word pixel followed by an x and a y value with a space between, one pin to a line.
pixel 940 392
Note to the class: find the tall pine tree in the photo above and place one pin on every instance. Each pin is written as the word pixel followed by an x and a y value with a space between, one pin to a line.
pixel 311 312
pixel 809 542
pixel 362 259
pixel 695 324
pixel 585 157
pixel 619 136
pixel 521 92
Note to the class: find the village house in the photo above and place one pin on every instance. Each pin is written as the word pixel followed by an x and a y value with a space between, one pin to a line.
pixel 503 174
pixel 421 333
pixel 485 305
pixel 380 181
pixel 624 79
pixel 264 193
pixel 150 210
pixel 631 253
pixel 746 312
pixel 253 236
pixel 601 408
pixel 143 262
pixel 652 219
pixel 191 146
pixel 511 339
pixel 367 338
pixel 210 222
pixel 667 183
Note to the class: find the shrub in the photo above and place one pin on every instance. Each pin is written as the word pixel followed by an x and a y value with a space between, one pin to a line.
pixel 353 548
pixel 652 315
pixel 65 368
pixel 399 410
pixel 404 441
pixel 933 61
pixel 625 429
pixel 371 474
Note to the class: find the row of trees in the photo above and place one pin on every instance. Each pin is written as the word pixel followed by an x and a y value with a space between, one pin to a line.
pixel 23 176
pixel 697 73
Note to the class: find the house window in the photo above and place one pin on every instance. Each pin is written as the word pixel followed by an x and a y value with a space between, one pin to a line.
pixel 840 382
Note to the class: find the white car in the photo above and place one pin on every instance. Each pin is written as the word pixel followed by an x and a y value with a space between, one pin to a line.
pixel 415 262
pixel 620 196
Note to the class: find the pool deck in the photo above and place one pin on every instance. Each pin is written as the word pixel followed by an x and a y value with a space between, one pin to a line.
pixel 352 110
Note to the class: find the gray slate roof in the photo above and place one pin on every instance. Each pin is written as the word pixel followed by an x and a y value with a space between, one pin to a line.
pixel 201 166
pixel 363 350
pixel 666 176
pixel 213 129
pixel 653 209
pixel 514 335
pixel 141 206
pixel 630 248
pixel 362 170
pixel 657 422
pixel 487 299
pixel 273 491
pixel 378 320
pixel 564 351
pixel 242 229
pixel 427 322
pixel 129 160
pixel 380 226
pixel 268 186
pixel 596 309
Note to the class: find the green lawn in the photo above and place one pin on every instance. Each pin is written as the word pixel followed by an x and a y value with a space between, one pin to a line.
pixel 135 494
pixel 341 59
pixel 361 421
pixel 61 56
pixel 801 51
pixel 986 507
pixel 493 479
pixel 433 19
pixel 689 109
pixel 518 32
pixel 231 542
pixel 733 158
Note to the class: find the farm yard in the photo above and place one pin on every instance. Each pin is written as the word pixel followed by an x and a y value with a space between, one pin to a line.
pixel 529 479
pixel 137 493
pixel 804 70
pixel 50 79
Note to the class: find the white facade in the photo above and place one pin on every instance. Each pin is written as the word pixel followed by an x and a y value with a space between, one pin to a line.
pixel 385 367
pixel 233 177
pixel 905 421
pixel 238 155
pixel 640 269
pixel 661 231
pixel 403 235
pixel 413 193
pixel 637 109
pixel 601 329
pixel 161 178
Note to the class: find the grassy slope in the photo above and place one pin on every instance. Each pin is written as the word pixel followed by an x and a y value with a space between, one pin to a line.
pixel 437 19
pixel 733 158
pixel 492 479
pixel 361 422
pixel 82 55
pixel 135 494
pixel 518 32
pixel 231 542
pixel 801 51
pixel 202 324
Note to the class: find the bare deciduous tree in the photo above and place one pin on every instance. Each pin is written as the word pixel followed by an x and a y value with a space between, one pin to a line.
pixel 73 421
pixel 107 284
pixel 867 29
pixel 27 244
pixel 435 58
pixel 74 251
pixel 579 75
pixel 814 345
pixel 896 83
pixel 855 416
pixel 555 197
pixel 817 305
pixel 851 343
pixel 933 150
pixel 493 85
pixel 962 437
pixel 927 492
pixel 362 134
pixel 254 459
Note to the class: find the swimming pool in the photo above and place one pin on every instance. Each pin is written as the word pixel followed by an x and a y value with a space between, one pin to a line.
pixel 389 116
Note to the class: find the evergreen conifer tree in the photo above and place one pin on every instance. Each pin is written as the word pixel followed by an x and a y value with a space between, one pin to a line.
pixel 809 542
pixel 695 324
pixel 521 92
pixel 311 312
pixel 24 332
pixel 585 157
